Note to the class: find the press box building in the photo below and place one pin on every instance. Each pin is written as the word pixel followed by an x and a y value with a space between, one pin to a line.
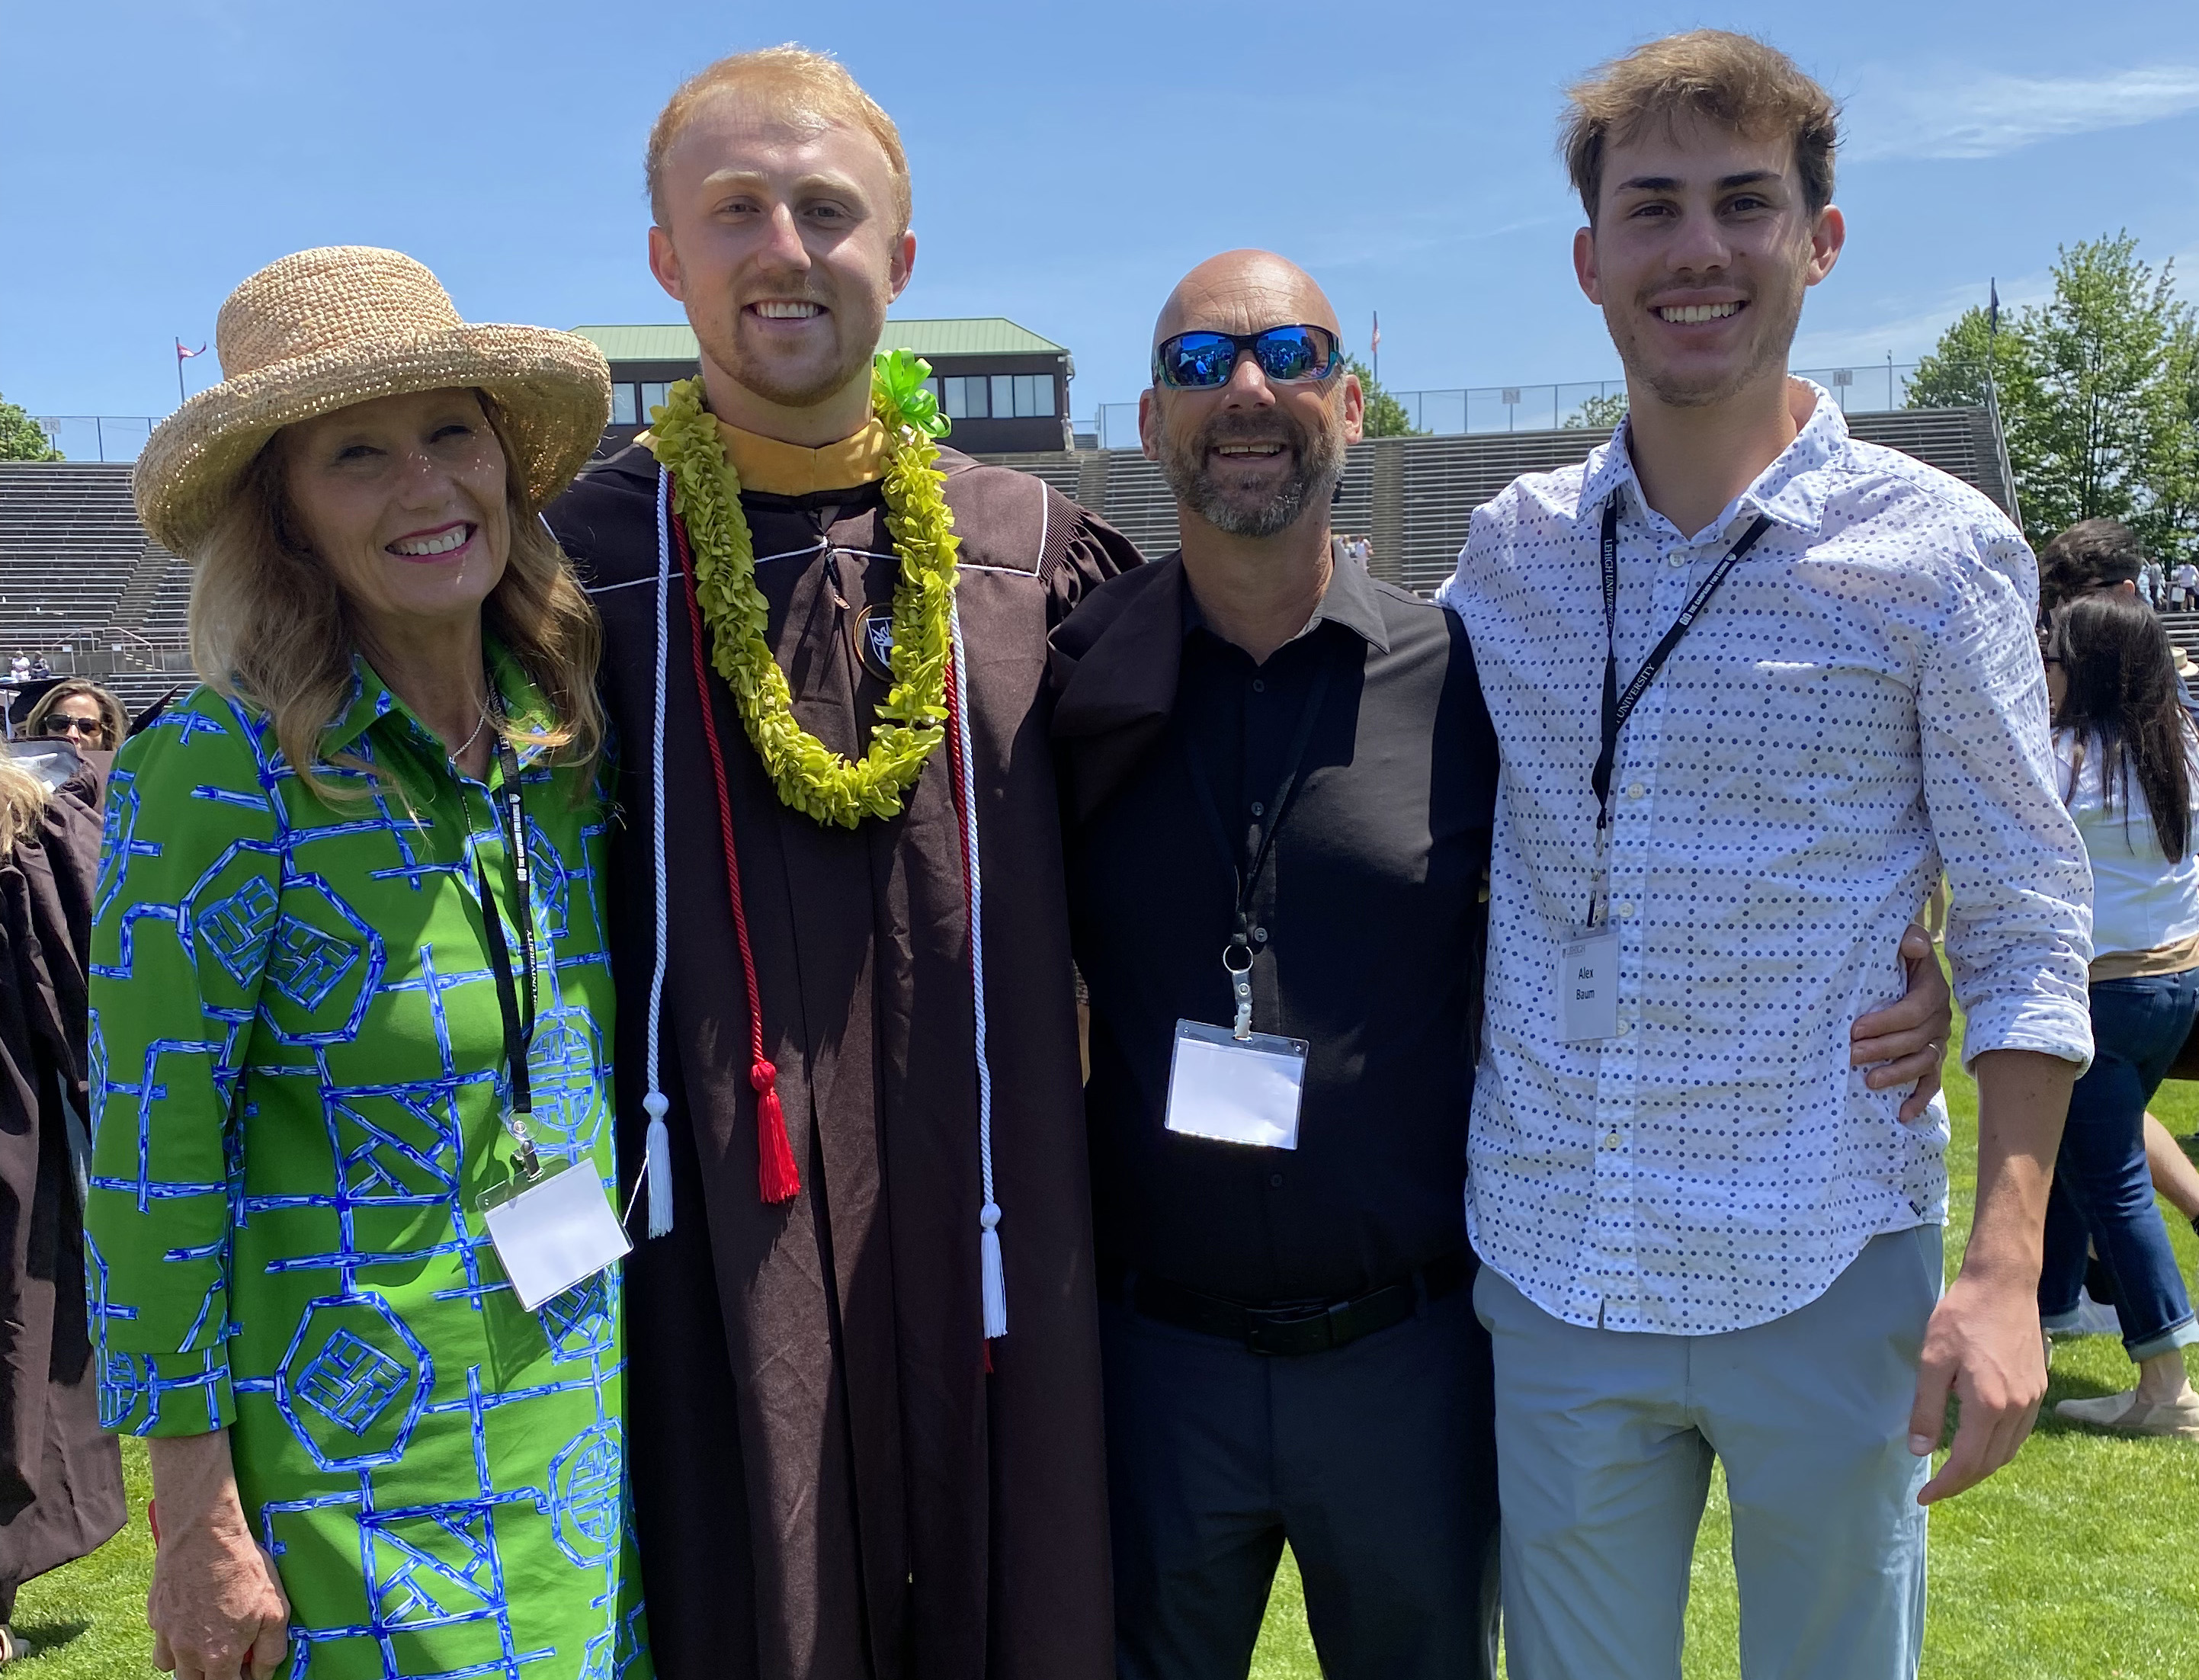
pixel 1006 388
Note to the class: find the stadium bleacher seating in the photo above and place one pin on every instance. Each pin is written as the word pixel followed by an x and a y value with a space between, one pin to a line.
pixel 81 583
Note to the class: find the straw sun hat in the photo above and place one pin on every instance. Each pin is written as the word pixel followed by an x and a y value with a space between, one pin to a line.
pixel 326 329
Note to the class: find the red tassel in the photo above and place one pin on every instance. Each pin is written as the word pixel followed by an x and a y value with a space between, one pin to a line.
pixel 775 1170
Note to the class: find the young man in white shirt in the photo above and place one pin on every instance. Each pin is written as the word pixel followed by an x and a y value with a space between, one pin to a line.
pixel 1811 686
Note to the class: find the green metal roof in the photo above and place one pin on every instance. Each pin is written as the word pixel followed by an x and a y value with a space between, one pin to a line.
pixel 982 336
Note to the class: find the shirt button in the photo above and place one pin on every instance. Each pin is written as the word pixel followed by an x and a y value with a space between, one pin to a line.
pixel 1275 1181
pixel 1259 686
pixel 1624 906
pixel 1259 809
pixel 1679 559
pixel 1259 936
pixel 1634 789
pixel 1611 1139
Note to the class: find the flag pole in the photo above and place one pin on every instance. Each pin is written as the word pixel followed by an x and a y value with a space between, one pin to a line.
pixel 180 373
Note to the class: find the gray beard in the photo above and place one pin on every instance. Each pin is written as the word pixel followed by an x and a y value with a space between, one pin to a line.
pixel 1319 468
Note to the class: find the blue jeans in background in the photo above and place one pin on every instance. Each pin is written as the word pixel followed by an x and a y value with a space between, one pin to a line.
pixel 2102 1193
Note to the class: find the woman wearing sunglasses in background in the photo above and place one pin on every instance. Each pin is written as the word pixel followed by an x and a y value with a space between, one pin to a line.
pixel 83 711
pixel 2130 772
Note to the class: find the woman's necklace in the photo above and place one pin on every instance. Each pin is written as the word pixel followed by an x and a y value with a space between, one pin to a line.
pixel 809 776
pixel 461 749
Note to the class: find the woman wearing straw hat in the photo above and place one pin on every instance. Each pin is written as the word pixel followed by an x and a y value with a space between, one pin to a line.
pixel 352 1226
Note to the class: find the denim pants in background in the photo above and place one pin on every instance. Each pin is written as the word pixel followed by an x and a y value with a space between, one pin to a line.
pixel 2103 1192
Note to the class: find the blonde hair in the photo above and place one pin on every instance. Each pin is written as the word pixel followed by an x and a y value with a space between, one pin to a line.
pixel 1736 81
pixel 790 81
pixel 22 798
pixel 113 722
pixel 271 627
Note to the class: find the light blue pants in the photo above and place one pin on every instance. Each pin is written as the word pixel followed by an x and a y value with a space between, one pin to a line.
pixel 1604 1444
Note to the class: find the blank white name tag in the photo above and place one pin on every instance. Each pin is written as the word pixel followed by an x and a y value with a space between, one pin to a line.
pixel 1236 1090
pixel 553 1234
pixel 1588 985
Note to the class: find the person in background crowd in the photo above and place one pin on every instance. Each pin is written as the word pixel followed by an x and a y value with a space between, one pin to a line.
pixel 2152 584
pixel 2129 758
pixel 62 1473
pixel 1814 684
pixel 81 710
pixel 353 1007
pixel 1290 1352
pixel 2092 554
pixel 39 669
pixel 2184 585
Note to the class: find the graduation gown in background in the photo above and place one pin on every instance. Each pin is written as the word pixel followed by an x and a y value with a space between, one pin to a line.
pixel 61 1474
pixel 828 1484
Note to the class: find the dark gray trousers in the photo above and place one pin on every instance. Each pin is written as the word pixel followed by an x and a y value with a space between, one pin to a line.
pixel 1377 1462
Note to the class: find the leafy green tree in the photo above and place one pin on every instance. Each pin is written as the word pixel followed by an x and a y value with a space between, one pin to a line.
pixel 1598 413
pixel 1954 375
pixel 20 440
pixel 1386 416
pixel 2097 398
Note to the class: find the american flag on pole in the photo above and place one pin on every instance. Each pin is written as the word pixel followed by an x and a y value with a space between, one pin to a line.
pixel 1374 339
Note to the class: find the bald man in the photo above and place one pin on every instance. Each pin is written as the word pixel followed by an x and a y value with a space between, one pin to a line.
pixel 1276 906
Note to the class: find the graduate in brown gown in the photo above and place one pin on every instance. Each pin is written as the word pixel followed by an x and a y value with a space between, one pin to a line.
pixel 60 1475
pixel 837 1472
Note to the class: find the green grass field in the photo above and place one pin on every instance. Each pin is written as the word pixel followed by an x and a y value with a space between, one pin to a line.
pixel 2081 1559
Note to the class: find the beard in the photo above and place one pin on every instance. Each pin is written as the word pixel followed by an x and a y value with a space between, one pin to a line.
pixel 1318 459
pixel 810 379
pixel 1773 312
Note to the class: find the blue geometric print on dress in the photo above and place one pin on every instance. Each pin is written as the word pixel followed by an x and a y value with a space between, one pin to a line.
pixel 562 1062
pixel 350 1383
pixel 579 1321
pixel 236 930
pixel 586 1484
pixel 430 1568
pixel 306 964
pixel 124 1383
pixel 327 1384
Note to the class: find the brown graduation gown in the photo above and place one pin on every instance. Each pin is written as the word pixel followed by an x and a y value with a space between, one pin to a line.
pixel 61 1475
pixel 827 1483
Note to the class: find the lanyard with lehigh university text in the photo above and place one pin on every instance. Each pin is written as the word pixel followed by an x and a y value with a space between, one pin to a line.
pixel 1237 954
pixel 1618 706
pixel 518 1027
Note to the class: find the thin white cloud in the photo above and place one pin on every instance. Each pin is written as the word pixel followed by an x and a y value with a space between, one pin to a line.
pixel 1988 115
pixel 1909 329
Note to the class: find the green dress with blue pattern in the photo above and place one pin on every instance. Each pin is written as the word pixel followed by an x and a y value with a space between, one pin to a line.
pixel 298 1082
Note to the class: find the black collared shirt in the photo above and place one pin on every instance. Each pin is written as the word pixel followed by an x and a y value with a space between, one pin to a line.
pixel 1368 937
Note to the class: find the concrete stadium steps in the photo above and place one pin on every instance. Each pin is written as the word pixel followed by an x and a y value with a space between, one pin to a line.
pixel 81 583
pixel 1414 496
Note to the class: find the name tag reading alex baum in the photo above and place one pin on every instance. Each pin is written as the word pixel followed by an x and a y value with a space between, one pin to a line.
pixel 1236 1090
pixel 554 1232
pixel 1588 985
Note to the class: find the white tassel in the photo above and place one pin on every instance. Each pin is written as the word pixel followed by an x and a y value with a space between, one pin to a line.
pixel 996 1284
pixel 658 1163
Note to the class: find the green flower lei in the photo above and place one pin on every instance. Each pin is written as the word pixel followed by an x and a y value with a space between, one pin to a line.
pixel 809 776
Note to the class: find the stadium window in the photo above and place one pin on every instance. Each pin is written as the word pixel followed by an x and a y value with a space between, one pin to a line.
pixel 1034 396
pixel 965 398
pixel 1004 395
pixel 652 396
pixel 622 408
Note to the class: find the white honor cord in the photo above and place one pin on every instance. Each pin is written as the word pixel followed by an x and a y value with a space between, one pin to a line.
pixel 993 1272
pixel 657 1162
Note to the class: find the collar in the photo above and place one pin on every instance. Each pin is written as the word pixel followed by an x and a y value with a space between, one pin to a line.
pixel 372 700
pixel 1791 490
pixel 1351 600
pixel 775 468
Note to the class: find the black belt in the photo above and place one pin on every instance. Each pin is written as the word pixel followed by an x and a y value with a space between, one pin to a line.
pixel 1290 1331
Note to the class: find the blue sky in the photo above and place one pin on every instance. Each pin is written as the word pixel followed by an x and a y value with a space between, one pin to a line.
pixel 1070 160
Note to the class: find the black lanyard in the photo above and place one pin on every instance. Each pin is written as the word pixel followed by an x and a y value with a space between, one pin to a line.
pixel 518 1027
pixel 1618 706
pixel 1237 955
